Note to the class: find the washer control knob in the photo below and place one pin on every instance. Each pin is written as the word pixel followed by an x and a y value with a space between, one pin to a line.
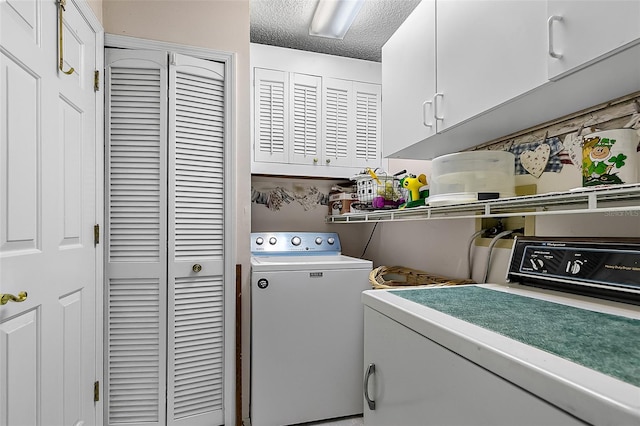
pixel 331 240
pixel 318 240
pixel 296 241
pixel 273 241
pixel 259 241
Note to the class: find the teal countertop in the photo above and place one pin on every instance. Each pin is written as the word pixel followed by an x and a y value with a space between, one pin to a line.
pixel 603 342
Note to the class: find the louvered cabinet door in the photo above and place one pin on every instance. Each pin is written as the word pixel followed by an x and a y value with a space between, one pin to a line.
pixel 338 122
pixel 135 237
pixel 271 125
pixel 368 144
pixel 196 242
pixel 305 114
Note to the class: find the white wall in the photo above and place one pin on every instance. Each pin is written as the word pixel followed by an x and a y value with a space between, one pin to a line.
pixel 293 217
pixel 440 246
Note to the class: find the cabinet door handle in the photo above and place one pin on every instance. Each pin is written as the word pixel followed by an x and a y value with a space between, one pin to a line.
pixel 371 369
pixel 435 106
pixel 552 51
pixel 424 113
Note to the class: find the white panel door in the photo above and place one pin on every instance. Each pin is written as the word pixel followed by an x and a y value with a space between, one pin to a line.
pixel 47 211
pixel 195 369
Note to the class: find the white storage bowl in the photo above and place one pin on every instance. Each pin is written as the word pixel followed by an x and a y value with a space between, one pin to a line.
pixel 464 176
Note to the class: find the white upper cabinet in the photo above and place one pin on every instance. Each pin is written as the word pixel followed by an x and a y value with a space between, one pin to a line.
pixel 338 128
pixel 351 123
pixel 314 115
pixel 488 52
pixel 580 32
pixel 459 73
pixel 451 60
pixel 271 111
pixel 409 80
pixel 367 112
pixel 305 118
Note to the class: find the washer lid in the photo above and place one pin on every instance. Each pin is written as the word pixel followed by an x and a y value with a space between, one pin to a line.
pixel 305 263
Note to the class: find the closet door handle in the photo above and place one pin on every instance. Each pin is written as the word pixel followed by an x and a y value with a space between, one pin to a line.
pixel 196 268
pixel 424 113
pixel 435 106
pixel 552 51
pixel 371 369
pixel 6 298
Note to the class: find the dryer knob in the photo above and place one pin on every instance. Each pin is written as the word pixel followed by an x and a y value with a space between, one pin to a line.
pixel 331 240
pixel 318 240
pixel 296 241
pixel 259 241
pixel 273 241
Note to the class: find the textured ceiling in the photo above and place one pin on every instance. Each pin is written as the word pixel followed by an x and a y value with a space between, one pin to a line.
pixel 285 23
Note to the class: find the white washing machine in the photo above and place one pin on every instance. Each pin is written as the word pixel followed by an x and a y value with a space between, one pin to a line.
pixel 306 328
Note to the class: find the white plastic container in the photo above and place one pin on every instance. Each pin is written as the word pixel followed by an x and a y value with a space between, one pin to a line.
pixel 469 176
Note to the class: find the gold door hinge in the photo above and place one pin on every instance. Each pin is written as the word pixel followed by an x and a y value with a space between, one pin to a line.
pixel 96 391
pixel 96 234
pixel 96 81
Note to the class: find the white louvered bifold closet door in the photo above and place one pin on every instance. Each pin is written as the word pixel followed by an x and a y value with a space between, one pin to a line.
pixel 368 129
pixel 337 112
pixel 165 176
pixel 270 113
pixel 136 237
pixel 196 242
pixel 305 119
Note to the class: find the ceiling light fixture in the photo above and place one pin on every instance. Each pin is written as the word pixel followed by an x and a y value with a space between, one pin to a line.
pixel 333 18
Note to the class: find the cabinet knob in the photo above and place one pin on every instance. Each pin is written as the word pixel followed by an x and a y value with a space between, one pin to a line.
pixel 197 267
pixel 328 160
pixel 315 161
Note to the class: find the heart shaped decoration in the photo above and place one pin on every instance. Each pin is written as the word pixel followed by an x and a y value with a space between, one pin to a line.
pixel 536 161
pixel 573 145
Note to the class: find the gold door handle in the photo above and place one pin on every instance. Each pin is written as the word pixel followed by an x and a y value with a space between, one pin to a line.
pixel 6 298
pixel 197 267
pixel 61 8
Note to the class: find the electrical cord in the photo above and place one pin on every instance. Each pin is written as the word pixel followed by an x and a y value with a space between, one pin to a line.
pixel 370 236
pixel 491 244
pixel 469 247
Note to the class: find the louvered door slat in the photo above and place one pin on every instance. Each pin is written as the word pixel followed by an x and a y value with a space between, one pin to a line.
pixel 367 115
pixel 305 118
pixel 337 121
pixel 196 235
pixel 270 133
pixel 135 237
pixel 134 347
pixel 134 170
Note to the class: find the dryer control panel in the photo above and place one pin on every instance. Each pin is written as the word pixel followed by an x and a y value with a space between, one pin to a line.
pixel 594 266
pixel 288 243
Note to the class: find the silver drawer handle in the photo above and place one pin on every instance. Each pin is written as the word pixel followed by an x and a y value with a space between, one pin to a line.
pixel 424 113
pixel 550 21
pixel 371 369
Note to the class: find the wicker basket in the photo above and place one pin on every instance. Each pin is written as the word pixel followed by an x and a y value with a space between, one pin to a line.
pixel 399 277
